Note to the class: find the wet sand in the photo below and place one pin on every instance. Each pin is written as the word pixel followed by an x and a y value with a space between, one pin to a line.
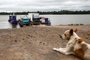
pixel 36 43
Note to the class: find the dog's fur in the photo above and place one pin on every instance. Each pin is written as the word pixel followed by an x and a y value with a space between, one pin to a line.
pixel 76 45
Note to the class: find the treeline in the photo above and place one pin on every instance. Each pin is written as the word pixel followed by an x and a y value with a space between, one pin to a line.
pixel 48 12
pixel 11 13
pixel 65 12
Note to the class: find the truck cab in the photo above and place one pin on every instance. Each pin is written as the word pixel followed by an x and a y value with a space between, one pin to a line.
pixel 24 21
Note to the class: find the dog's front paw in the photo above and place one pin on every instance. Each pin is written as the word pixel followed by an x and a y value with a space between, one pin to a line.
pixel 61 50
pixel 54 48
pixel 57 49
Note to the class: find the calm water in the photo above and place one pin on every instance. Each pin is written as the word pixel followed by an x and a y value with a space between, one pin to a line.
pixel 69 19
pixel 55 19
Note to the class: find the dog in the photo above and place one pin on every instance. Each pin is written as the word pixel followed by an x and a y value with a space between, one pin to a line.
pixel 76 45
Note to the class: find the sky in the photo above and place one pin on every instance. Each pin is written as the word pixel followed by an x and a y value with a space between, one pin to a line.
pixel 43 5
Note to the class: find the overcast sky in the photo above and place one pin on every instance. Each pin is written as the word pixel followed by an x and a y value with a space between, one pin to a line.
pixel 33 5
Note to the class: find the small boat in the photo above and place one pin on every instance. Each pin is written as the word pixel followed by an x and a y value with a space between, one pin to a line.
pixel 36 20
pixel 13 21
pixel 45 21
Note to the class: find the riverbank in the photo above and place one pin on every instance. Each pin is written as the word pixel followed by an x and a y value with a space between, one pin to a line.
pixel 36 43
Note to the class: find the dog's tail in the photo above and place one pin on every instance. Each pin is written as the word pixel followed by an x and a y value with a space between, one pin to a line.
pixel 88 45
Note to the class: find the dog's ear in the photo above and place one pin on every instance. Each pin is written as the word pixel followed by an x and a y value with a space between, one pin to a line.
pixel 76 30
pixel 71 32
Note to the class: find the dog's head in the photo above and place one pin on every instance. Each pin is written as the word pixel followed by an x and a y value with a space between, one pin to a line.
pixel 67 34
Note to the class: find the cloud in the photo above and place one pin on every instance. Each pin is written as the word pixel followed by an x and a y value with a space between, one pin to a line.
pixel 27 5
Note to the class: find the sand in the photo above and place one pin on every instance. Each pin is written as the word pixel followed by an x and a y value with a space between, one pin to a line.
pixel 37 42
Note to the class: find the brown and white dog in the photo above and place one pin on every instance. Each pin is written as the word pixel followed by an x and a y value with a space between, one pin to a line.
pixel 76 45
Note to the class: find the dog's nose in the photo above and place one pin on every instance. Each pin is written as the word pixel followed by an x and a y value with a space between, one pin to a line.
pixel 60 36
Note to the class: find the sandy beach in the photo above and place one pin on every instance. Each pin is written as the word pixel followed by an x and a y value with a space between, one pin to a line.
pixel 37 42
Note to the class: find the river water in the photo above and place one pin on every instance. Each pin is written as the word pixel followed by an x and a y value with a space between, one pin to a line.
pixel 55 19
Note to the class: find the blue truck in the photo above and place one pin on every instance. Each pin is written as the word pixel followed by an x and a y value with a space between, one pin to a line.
pixel 24 21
